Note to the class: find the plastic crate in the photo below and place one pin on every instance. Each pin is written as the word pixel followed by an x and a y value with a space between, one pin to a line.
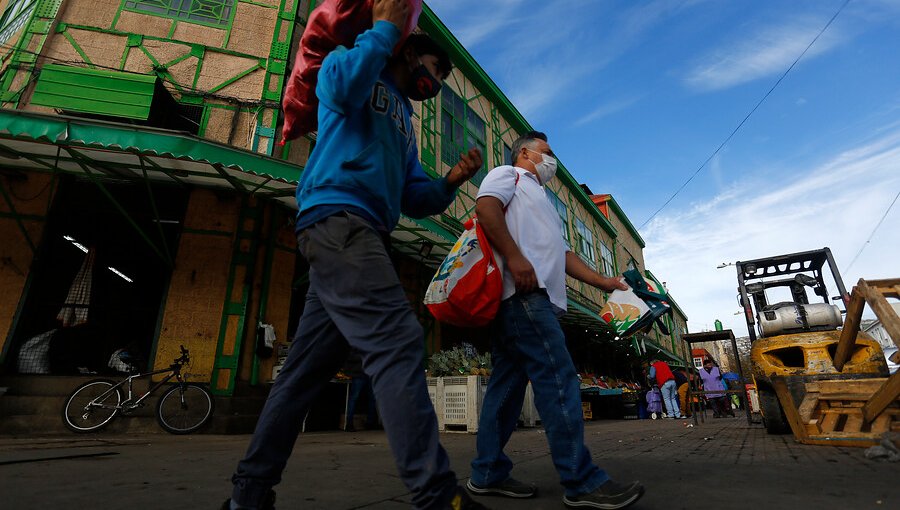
pixel 463 398
pixel 436 395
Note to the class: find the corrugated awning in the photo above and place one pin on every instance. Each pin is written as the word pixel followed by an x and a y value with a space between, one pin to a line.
pixel 654 349
pixel 108 151
pixel 53 143
pixel 95 91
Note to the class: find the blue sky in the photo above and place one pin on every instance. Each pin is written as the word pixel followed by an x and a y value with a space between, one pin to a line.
pixel 635 96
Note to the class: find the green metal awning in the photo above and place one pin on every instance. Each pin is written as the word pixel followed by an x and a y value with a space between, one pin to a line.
pixel 108 150
pixel 95 91
pixel 654 349
pixel 581 316
pixel 112 151
pixel 423 239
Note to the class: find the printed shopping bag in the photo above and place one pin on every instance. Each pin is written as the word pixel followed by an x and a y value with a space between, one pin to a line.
pixel 637 309
pixel 654 296
pixel 622 310
pixel 467 288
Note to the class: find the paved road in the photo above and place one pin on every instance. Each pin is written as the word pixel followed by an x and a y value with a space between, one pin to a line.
pixel 723 463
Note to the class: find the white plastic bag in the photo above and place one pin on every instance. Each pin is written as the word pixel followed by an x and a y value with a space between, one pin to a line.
pixel 34 355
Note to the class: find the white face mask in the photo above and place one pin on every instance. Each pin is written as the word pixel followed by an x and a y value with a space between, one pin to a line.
pixel 546 169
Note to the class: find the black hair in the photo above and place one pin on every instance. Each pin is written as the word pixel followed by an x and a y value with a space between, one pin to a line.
pixel 422 44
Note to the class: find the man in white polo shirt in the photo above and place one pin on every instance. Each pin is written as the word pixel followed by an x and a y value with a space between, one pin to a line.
pixel 528 342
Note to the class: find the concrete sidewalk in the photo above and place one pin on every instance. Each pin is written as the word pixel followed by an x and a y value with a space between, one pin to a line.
pixel 724 463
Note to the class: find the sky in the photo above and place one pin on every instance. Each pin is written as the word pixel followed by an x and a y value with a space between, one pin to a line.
pixel 636 95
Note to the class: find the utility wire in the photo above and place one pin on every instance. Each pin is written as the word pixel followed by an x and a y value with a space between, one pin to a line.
pixel 727 139
pixel 863 247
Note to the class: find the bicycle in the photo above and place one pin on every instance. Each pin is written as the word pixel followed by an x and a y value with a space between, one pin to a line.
pixel 183 408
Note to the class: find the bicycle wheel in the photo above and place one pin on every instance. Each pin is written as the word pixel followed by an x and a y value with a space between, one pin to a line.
pixel 184 408
pixel 91 406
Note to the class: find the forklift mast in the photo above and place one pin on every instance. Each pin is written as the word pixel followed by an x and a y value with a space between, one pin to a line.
pixel 751 285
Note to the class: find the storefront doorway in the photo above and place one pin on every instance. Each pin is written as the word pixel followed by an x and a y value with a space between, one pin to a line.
pixel 99 277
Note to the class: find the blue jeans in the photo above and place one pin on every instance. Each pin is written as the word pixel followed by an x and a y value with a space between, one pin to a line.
pixel 358 386
pixel 529 344
pixel 670 398
pixel 355 298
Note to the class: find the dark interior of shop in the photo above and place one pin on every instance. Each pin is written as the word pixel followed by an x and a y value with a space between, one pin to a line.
pixel 130 230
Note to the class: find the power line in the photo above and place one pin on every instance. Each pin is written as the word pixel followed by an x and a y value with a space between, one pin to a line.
pixel 729 137
pixel 863 247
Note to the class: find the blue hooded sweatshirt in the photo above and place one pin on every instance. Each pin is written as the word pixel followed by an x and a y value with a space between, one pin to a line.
pixel 366 158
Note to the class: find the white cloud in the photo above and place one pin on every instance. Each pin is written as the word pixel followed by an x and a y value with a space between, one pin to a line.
pixel 767 52
pixel 476 21
pixel 836 204
pixel 607 109
pixel 537 50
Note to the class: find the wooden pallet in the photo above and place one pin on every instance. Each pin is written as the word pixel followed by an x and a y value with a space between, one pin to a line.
pixel 831 413
pixel 850 412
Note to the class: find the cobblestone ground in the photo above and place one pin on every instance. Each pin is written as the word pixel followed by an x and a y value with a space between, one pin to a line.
pixel 724 463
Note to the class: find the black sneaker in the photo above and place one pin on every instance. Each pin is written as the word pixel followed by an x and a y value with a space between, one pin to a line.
pixel 462 501
pixel 510 488
pixel 609 496
pixel 267 504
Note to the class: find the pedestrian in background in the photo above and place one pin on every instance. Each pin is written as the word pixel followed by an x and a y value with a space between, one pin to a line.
pixel 681 383
pixel 360 385
pixel 665 379
pixel 528 342
pixel 712 381
pixel 363 173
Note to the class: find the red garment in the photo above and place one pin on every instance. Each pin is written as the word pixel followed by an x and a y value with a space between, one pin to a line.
pixel 333 23
pixel 663 373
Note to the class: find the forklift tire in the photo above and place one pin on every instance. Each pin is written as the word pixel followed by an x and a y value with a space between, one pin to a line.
pixel 773 415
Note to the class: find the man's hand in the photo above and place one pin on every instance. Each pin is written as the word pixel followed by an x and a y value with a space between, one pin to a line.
pixel 469 164
pixel 394 11
pixel 523 274
pixel 611 284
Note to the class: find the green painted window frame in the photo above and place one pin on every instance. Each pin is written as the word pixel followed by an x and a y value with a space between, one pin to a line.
pixel 584 243
pixel 507 155
pixel 608 263
pixel 563 210
pixel 183 10
pixel 14 17
pixel 461 129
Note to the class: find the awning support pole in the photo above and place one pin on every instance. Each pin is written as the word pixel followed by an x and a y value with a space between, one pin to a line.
pixel 162 235
pixel 80 160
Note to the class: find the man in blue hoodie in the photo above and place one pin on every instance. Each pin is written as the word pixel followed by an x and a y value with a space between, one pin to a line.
pixel 363 173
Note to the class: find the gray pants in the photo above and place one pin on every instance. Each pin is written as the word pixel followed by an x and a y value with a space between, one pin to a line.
pixel 355 298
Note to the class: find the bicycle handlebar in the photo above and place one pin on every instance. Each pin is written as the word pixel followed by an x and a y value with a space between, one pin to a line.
pixel 184 359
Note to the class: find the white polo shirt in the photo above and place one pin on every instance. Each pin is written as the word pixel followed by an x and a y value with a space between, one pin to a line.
pixel 534 225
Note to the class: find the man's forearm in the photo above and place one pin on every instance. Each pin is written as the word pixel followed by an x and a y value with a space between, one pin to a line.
pixel 493 220
pixel 576 268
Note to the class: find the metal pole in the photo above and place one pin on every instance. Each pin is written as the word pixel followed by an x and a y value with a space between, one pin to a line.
pixel 737 357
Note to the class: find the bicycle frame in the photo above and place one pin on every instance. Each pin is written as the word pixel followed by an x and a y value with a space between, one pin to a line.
pixel 129 403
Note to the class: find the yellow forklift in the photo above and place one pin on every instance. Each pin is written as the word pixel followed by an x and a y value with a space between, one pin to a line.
pixel 793 339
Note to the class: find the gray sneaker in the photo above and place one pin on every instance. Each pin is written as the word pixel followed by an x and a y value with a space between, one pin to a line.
pixel 610 496
pixel 511 488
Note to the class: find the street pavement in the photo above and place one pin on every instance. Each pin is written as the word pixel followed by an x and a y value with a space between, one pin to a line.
pixel 725 464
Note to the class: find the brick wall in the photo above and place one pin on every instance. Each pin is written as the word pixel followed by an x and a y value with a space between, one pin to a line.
pixel 196 296
pixel 30 196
